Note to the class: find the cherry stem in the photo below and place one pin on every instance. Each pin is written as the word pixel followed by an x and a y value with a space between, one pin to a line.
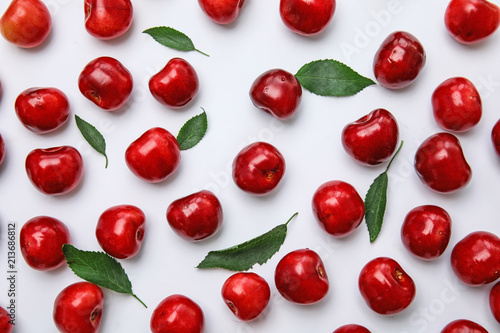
pixel 202 52
pixel 291 218
pixel 392 159
pixel 137 298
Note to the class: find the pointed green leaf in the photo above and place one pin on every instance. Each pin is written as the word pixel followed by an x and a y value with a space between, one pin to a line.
pixel 244 256
pixel 93 136
pixel 172 38
pixel 192 131
pixel 331 78
pixel 98 268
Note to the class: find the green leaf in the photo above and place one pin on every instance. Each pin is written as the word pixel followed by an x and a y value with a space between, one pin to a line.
pixel 192 131
pixel 98 268
pixel 331 78
pixel 172 38
pixel 244 256
pixel 93 136
pixel 376 201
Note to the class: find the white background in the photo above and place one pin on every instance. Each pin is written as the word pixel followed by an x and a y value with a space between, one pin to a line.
pixel 310 143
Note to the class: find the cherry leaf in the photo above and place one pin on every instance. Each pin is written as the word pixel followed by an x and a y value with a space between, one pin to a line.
pixel 244 256
pixel 376 201
pixel 331 78
pixel 192 131
pixel 172 38
pixel 99 268
pixel 93 136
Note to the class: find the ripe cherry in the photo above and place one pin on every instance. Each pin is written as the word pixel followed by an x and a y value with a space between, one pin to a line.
pixel 6 325
pixel 246 294
pixel 372 139
pixel 258 168
pixel 495 137
pixel 277 92
pixel 386 288
pixel 177 314
pixel 196 216
pixel 2 149
pixel 351 328
pixel 426 231
pixel 441 165
pixel 300 277
pixel 120 231
pixel 221 11
pixel 338 208
pixel 463 326
pixel 399 60
pixel 475 259
pixel 456 105
pixel 41 240
pixel 108 19
pixel 471 21
pixel 307 17
pixel 494 301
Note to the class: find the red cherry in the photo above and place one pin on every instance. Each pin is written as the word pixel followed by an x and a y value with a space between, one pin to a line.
pixel 120 231
pixel 277 92
pixel 108 19
pixel 426 231
pixel 386 288
pixel 307 17
pixel 153 156
pixel 2 149
pixel 338 208
pixel 106 82
pixel 55 171
pixel 494 301
pixel 495 137
pixel 196 216
pixel 176 84
pixel 78 308
pixel 246 294
pixel 300 277
pixel 399 60
pixel 258 168
pixel 42 110
pixel 372 139
pixel 475 259
pixel 351 328
pixel 6 325
pixel 41 240
pixel 456 105
pixel 463 326
pixel 177 314
pixel 471 21
pixel 26 23
pixel 221 11
pixel 441 165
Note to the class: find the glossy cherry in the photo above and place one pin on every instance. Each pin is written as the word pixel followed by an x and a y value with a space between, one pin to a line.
pixel 456 105
pixel 108 19
pixel 300 277
pixel 120 231
pixel 475 259
pixel 153 156
pixel 494 301
pixel 351 328
pixel 78 308
pixel 195 217
pixel 338 208
pixel 399 60
pixel 106 83
pixel 41 239
pixel 177 314
pixel 372 139
pixel 6 325
pixel 176 84
pixel 277 92
pixel 495 137
pixel 2 149
pixel 386 288
pixel 463 326
pixel 471 21
pixel 441 165
pixel 26 23
pixel 42 110
pixel 426 231
pixel 55 171
pixel 246 294
pixel 258 168
pixel 307 17
pixel 221 11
